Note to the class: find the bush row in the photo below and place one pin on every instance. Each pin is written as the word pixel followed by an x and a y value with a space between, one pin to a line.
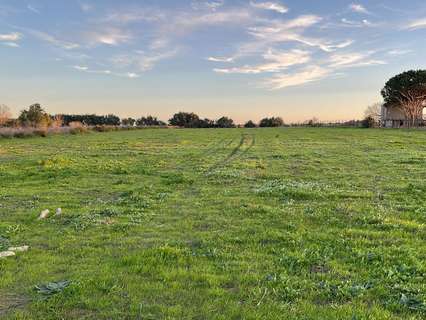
pixel 28 132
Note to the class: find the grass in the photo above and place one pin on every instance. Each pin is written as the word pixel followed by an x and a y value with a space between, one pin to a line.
pixel 216 224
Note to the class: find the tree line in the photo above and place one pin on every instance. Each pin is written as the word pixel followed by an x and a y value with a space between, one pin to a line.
pixel 35 116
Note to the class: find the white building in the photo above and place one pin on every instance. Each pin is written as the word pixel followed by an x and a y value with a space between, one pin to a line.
pixel 392 116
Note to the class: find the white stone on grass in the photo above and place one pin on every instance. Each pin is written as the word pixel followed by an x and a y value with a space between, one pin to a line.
pixel 6 254
pixel 44 214
pixel 19 249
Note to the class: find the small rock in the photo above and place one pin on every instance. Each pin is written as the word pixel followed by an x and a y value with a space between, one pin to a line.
pixel 6 254
pixel 19 249
pixel 44 214
pixel 58 211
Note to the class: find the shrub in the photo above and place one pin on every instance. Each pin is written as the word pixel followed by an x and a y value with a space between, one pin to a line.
pixel 41 132
pixel 75 124
pixel 91 119
pixel 35 117
pixel 185 120
pixel 105 128
pixel 250 124
pixel 149 121
pixel 76 127
pixel 23 133
pixel 369 122
pixel 271 122
pixel 78 130
pixel 225 122
pixel 6 133
pixel 128 122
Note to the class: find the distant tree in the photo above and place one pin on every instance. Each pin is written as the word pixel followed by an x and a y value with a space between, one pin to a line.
pixel 35 116
pixel 369 122
pixel 112 120
pixel 205 123
pixel 314 122
pixel 128 122
pixel 250 124
pixel 407 90
pixel 149 121
pixel 185 119
pixel 91 119
pixel 374 111
pixel 225 122
pixel 4 114
pixel 271 122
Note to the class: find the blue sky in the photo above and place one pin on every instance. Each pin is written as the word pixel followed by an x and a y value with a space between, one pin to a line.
pixel 246 59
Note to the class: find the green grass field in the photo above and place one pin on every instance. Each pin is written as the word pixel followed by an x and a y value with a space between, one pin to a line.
pixel 216 224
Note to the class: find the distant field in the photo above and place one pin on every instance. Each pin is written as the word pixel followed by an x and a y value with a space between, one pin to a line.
pixel 216 224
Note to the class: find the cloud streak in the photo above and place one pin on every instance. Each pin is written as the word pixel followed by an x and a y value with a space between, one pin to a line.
pixel 141 60
pixel 304 76
pixel 33 9
pixel 14 36
pixel 46 37
pixel 358 8
pixel 350 60
pixel 275 61
pixel 86 69
pixel 109 37
pixel 273 6
pixel 416 24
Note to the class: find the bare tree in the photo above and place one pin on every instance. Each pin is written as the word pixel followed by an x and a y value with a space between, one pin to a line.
pixel 4 114
pixel 374 111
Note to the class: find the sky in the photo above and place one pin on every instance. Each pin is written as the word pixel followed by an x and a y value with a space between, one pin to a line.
pixel 245 59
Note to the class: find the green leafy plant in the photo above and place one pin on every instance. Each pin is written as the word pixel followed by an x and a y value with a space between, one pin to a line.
pixel 52 288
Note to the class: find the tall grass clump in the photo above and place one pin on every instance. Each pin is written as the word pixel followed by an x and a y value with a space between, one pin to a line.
pixel 76 127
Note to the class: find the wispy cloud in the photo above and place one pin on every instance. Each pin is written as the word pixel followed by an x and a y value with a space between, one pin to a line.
pixel 221 59
pixel 304 76
pixel 81 68
pixel 53 40
pixel 357 24
pixel 358 8
pixel 416 24
pixel 317 72
pixel 109 36
pixel 231 16
pixel 292 31
pixel 399 52
pixel 275 61
pixel 269 5
pixel 33 9
pixel 349 60
pixel 207 5
pixel 105 72
pixel 134 15
pixel 295 66
pixel 11 44
pixel 141 60
pixel 14 36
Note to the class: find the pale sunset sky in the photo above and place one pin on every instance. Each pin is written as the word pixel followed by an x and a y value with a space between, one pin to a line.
pixel 245 59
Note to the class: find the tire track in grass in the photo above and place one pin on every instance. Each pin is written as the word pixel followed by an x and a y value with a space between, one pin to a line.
pixel 212 148
pixel 245 144
pixel 236 153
